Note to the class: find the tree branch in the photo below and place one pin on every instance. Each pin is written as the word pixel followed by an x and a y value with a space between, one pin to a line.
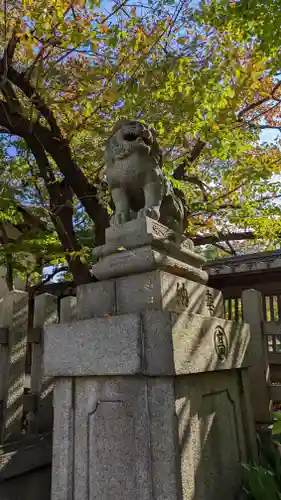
pixel 19 80
pixel 61 212
pixel 221 247
pixel 17 124
pixel 179 173
pixel 9 278
pixel 265 127
pixel 11 47
pixel 260 101
pixel 211 239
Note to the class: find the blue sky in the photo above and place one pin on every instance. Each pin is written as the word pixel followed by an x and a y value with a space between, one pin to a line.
pixel 269 135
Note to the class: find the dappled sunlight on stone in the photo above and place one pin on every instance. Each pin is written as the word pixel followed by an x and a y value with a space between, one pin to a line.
pixel 15 391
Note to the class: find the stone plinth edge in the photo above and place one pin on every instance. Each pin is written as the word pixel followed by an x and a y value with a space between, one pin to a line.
pixel 143 245
pixel 150 343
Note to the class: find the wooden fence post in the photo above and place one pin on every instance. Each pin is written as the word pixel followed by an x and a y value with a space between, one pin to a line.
pixel 258 359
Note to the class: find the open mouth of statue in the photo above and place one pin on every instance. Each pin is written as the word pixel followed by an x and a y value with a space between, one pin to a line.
pixel 131 136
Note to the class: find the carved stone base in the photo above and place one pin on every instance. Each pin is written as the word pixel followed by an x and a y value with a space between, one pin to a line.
pixel 150 405
pixel 152 290
pixel 145 231
pixel 151 397
pixel 145 245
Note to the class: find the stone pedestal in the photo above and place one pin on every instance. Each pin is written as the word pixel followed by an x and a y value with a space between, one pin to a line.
pixel 151 399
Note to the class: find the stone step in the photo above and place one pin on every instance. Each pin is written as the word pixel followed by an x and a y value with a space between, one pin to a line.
pixel 147 258
pixel 144 245
pixel 23 456
pixel 146 231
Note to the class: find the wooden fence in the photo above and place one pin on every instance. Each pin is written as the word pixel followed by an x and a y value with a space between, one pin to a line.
pixel 261 272
pixel 271 307
pixel 270 328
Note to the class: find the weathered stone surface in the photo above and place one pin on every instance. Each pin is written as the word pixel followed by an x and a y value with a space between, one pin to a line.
pixel 259 367
pixel 111 429
pixel 153 290
pixel 96 299
pixel 139 232
pixel 45 313
pixel 99 346
pixel 195 343
pixel 146 231
pixel 161 290
pixel 154 342
pixel 119 451
pixel 158 358
pixel 68 309
pixel 63 435
pixel 247 414
pixel 145 259
pixel 13 315
pixel 145 351
pixel 212 439
pixel 165 453
pixel 135 176
pixel 112 439
pixel 208 344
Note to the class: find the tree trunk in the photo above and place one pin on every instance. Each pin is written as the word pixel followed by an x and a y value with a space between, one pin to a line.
pixel 61 212
pixel 84 190
pixel 9 273
pixel 58 148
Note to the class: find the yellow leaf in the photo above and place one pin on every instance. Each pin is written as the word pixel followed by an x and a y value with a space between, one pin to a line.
pixel 28 48
pixel 104 28
pixel 110 96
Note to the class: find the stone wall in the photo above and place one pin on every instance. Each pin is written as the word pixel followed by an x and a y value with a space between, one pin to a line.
pixel 26 416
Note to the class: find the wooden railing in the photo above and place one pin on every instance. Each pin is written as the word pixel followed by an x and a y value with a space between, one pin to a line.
pixel 271 320
pixel 263 313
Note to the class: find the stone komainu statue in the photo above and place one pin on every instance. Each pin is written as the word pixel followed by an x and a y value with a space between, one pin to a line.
pixel 136 179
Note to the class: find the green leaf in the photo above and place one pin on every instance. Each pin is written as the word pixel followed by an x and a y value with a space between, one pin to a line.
pixel 276 428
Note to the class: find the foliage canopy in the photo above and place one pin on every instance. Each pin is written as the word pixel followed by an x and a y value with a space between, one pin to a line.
pixel 205 76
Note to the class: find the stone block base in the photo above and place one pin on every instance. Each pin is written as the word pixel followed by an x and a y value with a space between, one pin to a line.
pixel 151 290
pixel 145 438
pixel 151 399
pixel 149 406
pixel 144 245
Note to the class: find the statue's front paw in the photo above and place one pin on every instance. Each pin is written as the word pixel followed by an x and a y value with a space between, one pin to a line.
pixel 153 213
pixel 118 219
